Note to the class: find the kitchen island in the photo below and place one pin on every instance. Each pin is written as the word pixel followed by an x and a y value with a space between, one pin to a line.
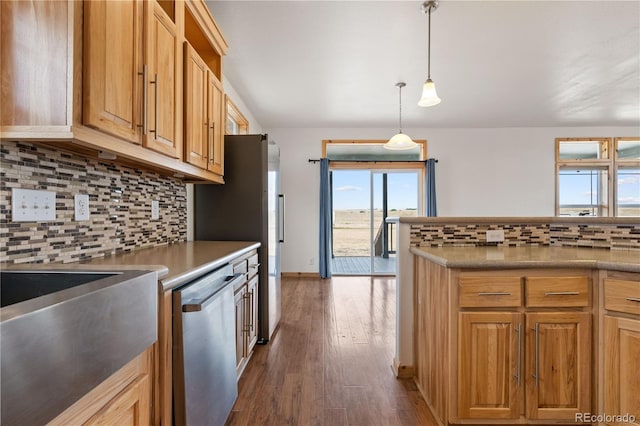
pixel 526 335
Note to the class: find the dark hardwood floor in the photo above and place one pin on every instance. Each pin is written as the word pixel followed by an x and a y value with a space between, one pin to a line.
pixel 330 361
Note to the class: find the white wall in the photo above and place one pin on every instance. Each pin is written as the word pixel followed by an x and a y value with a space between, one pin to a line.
pixel 481 172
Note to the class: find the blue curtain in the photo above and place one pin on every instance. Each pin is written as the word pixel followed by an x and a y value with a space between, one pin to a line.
pixel 325 220
pixel 432 210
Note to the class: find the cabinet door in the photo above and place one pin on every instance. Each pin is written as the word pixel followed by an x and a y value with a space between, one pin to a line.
pixel 162 58
pixel 621 372
pixel 489 373
pixel 131 407
pixel 241 339
pixel 113 67
pixel 558 365
pixel 216 125
pixel 195 108
pixel 252 314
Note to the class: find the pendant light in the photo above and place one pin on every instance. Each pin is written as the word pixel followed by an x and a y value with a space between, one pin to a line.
pixel 429 95
pixel 400 141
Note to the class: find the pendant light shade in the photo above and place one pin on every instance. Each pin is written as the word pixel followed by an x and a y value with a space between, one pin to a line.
pixel 400 141
pixel 429 96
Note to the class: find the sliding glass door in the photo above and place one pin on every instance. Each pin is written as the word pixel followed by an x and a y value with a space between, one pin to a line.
pixel 364 203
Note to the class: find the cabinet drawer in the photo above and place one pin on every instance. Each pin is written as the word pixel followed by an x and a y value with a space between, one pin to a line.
pixel 622 296
pixel 485 292
pixel 240 267
pixel 557 291
pixel 253 265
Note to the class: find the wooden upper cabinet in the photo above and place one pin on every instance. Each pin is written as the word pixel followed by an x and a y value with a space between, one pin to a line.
pixel 164 91
pixel 489 365
pixel 36 70
pixel 204 107
pixel 216 125
pixel 196 128
pixel 558 365
pixel 113 68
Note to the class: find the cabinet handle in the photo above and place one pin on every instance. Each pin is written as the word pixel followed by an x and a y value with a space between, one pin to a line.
pixel 562 293
pixel 519 331
pixel 537 360
pixel 144 99
pixel 633 299
pixel 254 265
pixel 155 115
pixel 494 293
pixel 213 136
pixel 251 311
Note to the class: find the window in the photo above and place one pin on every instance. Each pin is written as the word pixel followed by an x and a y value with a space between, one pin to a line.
pixel 236 124
pixel 627 182
pixel 592 181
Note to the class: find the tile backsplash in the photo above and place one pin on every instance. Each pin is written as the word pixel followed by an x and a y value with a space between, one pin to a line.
pixel 119 204
pixel 597 235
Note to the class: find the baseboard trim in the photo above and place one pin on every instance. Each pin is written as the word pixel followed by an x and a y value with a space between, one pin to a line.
pixel 300 275
pixel 402 371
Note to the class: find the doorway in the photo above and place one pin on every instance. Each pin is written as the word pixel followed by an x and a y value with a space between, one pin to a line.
pixel 365 202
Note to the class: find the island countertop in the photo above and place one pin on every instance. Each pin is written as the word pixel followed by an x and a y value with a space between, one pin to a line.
pixel 531 257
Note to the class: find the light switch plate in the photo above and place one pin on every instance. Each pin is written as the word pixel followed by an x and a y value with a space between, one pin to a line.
pixel 29 205
pixel 155 210
pixel 496 236
pixel 81 206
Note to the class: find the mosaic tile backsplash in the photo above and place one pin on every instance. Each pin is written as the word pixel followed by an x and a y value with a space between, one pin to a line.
pixel 609 236
pixel 119 204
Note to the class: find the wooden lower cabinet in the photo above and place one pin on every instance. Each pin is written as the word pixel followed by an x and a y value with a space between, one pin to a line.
pixel 558 373
pixel 489 365
pixel 241 341
pixel 622 367
pixel 246 300
pixel 123 399
pixel 487 353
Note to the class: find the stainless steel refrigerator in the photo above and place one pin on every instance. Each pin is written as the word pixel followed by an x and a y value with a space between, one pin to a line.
pixel 248 207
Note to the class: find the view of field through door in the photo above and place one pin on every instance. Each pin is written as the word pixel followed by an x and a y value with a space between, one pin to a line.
pixel 363 241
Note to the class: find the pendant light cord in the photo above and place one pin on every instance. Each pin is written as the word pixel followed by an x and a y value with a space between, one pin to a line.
pixel 429 46
pixel 400 120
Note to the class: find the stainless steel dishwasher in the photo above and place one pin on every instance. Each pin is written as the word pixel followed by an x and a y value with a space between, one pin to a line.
pixel 204 355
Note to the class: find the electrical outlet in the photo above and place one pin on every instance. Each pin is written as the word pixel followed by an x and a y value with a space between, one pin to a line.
pixel 81 206
pixel 496 236
pixel 311 261
pixel 155 210
pixel 28 205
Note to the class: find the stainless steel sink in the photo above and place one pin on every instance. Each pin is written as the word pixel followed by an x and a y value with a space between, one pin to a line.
pixel 64 332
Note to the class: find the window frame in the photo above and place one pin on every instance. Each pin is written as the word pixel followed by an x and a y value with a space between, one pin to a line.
pixel 233 112
pixel 621 163
pixel 608 161
pixel 605 162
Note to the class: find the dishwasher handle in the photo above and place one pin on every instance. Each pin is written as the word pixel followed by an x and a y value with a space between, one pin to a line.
pixel 197 306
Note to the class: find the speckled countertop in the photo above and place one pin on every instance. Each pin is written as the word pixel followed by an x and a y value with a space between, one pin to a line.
pixel 531 257
pixel 175 264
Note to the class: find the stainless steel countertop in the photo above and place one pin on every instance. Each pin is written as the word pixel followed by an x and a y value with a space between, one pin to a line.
pixel 176 264
pixel 531 257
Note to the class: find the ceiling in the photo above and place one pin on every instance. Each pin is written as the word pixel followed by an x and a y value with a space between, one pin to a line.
pixel 495 63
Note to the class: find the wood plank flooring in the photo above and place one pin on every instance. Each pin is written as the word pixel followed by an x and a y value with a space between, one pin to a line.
pixel 330 361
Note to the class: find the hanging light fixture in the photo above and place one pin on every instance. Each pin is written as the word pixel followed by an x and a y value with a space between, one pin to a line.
pixel 400 141
pixel 429 95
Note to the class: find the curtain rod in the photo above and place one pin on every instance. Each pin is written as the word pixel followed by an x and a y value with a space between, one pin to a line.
pixel 317 160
